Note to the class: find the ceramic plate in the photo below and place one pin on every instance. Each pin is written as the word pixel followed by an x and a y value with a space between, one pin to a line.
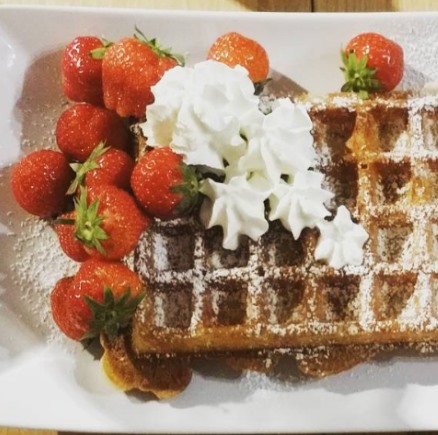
pixel 49 382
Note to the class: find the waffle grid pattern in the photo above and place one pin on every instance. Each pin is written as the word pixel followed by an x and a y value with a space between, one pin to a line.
pixel 380 158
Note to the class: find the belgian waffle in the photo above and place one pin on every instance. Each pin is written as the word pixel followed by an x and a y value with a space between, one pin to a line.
pixel 380 159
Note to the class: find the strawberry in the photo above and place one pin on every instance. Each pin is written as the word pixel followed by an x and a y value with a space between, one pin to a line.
pixel 71 246
pixel 104 166
pixel 61 313
pixel 100 298
pixel 81 71
pixel 129 68
pixel 371 63
pixel 235 49
pixel 108 222
pixel 164 185
pixel 83 126
pixel 40 181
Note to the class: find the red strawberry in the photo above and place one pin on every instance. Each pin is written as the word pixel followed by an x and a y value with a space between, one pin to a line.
pixel 83 126
pixel 108 222
pixel 40 182
pixel 115 168
pixel 61 313
pixel 372 63
pixel 235 49
pixel 105 166
pixel 81 71
pixel 71 246
pixel 164 185
pixel 100 298
pixel 130 67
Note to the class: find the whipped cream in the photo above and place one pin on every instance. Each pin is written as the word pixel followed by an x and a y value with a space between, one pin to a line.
pixel 341 240
pixel 210 115
pixel 299 203
pixel 281 143
pixel 237 206
pixel 201 112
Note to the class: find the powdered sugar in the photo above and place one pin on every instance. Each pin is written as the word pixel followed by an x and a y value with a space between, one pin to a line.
pixel 38 264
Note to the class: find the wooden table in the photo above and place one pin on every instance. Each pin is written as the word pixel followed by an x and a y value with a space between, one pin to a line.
pixel 234 5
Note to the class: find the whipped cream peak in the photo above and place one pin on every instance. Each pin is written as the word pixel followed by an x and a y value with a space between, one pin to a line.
pixel 163 113
pixel 282 144
pixel 207 107
pixel 236 206
pixel 299 203
pixel 341 240
pixel 288 115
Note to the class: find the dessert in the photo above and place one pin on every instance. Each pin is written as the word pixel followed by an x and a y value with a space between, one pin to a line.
pixel 273 294
pixel 312 239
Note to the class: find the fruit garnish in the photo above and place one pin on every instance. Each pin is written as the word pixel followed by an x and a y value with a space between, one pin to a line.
pixel 40 181
pixel 108 221
pixel 104 166
pixel 129 68
pixel 65 230
pixel 81 72
pixel 83 126
pixel 100 298
pixel 371 63
pixel 81 169
pixel 112 314
pixel 163 184
pixel 88 223
pixel 235 49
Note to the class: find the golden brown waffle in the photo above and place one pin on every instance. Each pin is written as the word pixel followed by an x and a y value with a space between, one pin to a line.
pixel 379 161
pixel 164 378
pixel 380 158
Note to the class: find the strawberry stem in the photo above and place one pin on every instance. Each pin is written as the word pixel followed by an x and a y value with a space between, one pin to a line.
pixel 81 169
pixel 99 52
pixel 155 46
pixel 88 223
pixel 113 314
pixel 359 77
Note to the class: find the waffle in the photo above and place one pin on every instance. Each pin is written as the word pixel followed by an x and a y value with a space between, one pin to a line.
pixel 270 297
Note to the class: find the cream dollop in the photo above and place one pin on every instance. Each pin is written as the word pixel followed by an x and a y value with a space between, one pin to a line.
pixel 200 113
pixel 299 203
pixel 281 144
pixel 341 240
pixel 237 206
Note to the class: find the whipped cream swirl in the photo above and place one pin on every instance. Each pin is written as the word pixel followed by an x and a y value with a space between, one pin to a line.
pixel 281 143
pixel 341 241
pixel 299 203
pixel 200 112
pixel 237 206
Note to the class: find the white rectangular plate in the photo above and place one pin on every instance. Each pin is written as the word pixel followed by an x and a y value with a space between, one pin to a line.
pixel 46 381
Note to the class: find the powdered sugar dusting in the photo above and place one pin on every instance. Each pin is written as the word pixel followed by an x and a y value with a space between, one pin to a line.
pixel 38 264
pixel 420 48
